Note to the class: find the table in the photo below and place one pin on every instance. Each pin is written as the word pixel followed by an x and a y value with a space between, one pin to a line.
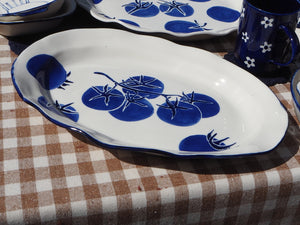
pixel 49 175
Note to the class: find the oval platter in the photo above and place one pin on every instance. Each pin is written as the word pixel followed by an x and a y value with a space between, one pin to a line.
pixel 148 94
pixel 182 19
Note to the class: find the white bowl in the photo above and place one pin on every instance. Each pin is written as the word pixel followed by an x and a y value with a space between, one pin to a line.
pixel 17 28
pixel 295 90
pixel 16 10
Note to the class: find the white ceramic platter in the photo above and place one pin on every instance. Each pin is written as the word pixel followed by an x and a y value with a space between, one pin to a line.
pixel 175 19
pixel 145 93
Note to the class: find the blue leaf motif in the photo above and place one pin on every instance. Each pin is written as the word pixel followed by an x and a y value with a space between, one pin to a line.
pixel 177 9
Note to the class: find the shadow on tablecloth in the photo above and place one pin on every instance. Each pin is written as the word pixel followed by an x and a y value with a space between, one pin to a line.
pixel 286 149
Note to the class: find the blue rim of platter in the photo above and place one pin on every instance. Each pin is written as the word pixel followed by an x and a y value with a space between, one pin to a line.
pixel 23 7
pixel 104 100
pixel 174 18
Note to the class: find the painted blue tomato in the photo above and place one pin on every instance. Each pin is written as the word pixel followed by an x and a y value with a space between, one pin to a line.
pixel 102 98
pixel 204 143
pixel 207 105
pixel 176 9
pixel 48 71
pixel 145 86
pixel 141 8
pixel 195 143
pixel 135 108
pixel 66 109
pixel 181 26
pixel 179 113
pixel 223 14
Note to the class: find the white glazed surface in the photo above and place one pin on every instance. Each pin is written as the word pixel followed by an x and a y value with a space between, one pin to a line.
pixel 114 11
pixel 17 28
pixel 250 114
pixel 16 10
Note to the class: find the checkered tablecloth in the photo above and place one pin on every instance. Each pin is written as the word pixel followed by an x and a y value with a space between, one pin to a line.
pixel 49 175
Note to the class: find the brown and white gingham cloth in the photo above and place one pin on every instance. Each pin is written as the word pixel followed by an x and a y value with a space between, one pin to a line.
pixel 51 176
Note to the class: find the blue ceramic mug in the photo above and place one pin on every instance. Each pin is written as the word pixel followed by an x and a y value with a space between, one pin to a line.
pixel 266 39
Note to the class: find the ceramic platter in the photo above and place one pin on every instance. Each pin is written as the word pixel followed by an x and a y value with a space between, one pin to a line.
pixel 145 93
pixel 23 7
pixel 17 28
pixel 176 19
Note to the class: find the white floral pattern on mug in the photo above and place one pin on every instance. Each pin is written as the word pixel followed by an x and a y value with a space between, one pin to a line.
pixel 266 47
pixel 267 22
pixel 243 12
pixel 249 62
pixel 245 36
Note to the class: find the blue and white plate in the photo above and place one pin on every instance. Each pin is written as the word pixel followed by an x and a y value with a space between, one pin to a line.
pixel 23 7
pixel 17 28
pixel 174 18
pixel 148 94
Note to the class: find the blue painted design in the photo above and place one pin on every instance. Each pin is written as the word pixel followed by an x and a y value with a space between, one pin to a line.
pixel 48 71
pixel 207 105
pixel 180 26
pixel 67 109
pixel 176 9
pixel 204 143
pixel 130 22
pixel 141 9
pixel 102 98
pixel 135 108
pixel 178 110
pixel 43 101
pixel 223 14
pixel 179 113
pixel 26 8
pixel 97 1
pixel 146 86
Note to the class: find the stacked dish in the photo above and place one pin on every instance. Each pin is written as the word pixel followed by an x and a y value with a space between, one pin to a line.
pixel 21 17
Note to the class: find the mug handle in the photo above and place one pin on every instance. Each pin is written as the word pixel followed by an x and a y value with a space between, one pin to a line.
pixel 294 42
